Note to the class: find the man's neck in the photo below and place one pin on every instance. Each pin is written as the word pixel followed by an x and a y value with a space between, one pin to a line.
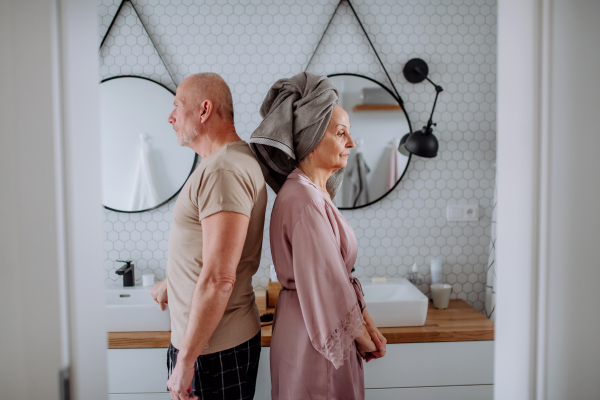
pixel 208 143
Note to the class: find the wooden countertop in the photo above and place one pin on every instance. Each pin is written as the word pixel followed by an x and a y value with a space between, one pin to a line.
pixel 459 323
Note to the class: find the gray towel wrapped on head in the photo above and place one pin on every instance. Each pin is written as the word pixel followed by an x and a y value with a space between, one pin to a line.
pixel 295 114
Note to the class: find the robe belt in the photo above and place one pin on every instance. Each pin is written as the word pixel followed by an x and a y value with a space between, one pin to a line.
pixel 360 295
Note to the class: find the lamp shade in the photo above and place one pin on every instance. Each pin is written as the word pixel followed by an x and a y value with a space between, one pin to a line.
pixel 422 143
pixel 402 146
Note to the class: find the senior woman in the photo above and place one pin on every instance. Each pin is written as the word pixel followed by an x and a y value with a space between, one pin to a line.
pixel 321 329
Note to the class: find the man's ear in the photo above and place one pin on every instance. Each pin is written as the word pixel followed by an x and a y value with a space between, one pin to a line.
pixel 206 110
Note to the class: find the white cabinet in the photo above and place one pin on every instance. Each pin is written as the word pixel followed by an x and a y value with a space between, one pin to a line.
pixel 418 371
pixel 140 396
pixel 432 364
pixel 137 371
pixel 476 392
pixel 409 371
pixel 263 380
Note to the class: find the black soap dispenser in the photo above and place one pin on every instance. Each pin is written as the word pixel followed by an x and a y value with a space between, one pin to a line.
pixel 127 271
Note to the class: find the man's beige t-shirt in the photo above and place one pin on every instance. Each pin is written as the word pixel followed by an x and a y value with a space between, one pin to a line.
pixel 228 180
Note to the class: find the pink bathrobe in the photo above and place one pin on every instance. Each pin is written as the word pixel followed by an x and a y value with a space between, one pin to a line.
pixel 319 310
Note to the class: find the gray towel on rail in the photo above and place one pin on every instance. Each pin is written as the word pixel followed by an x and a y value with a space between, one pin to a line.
pixel 357 176
pixel 295 112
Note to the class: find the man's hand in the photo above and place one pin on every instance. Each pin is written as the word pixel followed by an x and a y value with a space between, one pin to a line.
pixel 159 294
pixel 180 382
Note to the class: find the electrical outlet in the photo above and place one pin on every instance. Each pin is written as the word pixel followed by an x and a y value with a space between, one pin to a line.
pixel 462 212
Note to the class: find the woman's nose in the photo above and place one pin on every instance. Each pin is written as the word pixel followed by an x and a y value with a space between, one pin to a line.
pixel 350 143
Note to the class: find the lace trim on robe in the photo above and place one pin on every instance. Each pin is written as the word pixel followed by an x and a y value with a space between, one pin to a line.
pixel 338 345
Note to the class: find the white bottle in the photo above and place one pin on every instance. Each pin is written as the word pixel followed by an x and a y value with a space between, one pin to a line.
pixel 436 272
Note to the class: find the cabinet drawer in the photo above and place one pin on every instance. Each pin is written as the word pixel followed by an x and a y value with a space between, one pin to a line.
pixel 432 364
pixel 137 371
pixel 477 392
pixel 408 371
pixel 263 379
pixel 140 396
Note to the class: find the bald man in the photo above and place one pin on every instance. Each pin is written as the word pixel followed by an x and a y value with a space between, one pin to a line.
pixel 214 249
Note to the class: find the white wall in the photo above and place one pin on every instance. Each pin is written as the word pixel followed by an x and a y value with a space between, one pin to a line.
pixel 30 324
pixel 518 161
pixel 50 213
pixel 549 194
pixel 82 197
pixel 573 317
pixel 254 43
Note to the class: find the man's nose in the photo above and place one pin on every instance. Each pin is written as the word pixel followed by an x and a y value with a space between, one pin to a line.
pixel 171 118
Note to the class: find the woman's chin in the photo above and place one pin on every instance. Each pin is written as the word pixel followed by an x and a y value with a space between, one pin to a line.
pixel 338 167
pixel 342 163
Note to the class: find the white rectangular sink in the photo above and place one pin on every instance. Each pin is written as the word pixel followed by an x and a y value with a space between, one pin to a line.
pixel 133 309
pixel 397 302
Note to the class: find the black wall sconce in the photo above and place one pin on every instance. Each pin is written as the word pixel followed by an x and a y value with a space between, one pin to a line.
pixel 422 143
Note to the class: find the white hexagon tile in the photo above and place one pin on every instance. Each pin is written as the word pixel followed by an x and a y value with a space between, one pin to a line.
pixel 254 43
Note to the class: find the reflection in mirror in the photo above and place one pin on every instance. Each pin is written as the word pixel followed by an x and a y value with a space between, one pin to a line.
pixel 143 167
pixel 377 123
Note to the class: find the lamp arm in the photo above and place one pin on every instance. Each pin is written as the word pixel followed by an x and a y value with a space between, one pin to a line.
pixel 438 89
pixel 437 93
pixel 436 86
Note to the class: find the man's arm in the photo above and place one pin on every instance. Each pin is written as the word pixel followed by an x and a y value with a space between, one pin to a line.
pixel 223 238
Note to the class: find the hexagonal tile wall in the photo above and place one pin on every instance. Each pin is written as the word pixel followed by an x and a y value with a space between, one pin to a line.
pixel 254 43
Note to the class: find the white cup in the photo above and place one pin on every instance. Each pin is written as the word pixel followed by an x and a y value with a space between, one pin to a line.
pixel 440 293
pixel 148 279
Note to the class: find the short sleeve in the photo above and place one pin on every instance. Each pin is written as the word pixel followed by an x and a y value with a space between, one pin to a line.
pixel 224 190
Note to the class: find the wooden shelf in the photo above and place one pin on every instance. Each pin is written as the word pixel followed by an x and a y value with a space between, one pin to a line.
pixel 459 322
pixel 376 107
pixel 139 340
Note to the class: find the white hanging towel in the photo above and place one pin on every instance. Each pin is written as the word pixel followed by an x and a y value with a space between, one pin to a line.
pixel 144 194
pixel 395 168
pixel 492 267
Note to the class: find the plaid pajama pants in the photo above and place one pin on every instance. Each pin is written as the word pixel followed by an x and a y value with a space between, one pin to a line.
pixel 226 375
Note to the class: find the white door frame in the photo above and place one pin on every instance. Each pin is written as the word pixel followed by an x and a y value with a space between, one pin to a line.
pixel 51 216
pixel 81 194
pixel 524 34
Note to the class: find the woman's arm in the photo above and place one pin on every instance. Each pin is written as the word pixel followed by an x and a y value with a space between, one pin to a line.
pixel 333 317
pixel 364 344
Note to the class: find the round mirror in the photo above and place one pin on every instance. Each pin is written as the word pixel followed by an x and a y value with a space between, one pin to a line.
pixel 377 123
pixel 143 167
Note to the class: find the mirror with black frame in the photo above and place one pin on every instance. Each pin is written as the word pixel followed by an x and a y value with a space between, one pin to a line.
pixel 143 166
pixel 378 122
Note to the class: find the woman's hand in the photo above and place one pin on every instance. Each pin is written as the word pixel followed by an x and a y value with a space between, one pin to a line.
pixel 364 344
pixel 378 339
pixel 159 294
